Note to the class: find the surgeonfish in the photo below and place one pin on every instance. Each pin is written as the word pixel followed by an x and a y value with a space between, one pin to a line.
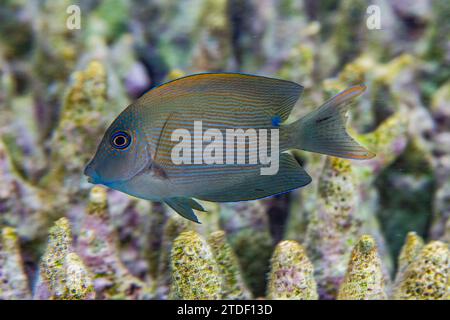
pixel 136 153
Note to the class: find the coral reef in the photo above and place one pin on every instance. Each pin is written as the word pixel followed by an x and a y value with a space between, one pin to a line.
pixel 174 226
pixel 292 274
pixel 82 117
pixel 246 225
pixel 410 250
pixel 426 277
pixel 364 277
pixel 334 225
pixel 98 246
pixel 13 281
pixel 62 273
pixel 233 286
pixel 195 272
pixel 341 237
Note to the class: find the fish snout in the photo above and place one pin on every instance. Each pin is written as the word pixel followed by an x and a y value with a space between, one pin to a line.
pixel 92 175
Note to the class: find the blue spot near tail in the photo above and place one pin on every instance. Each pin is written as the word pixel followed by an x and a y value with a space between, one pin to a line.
pixel 276 121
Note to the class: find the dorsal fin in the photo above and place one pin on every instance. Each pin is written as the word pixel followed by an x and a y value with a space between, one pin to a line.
pixel 230 95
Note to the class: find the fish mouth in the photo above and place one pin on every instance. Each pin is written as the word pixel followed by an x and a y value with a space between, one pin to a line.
pixel 94 178
pixel 92 175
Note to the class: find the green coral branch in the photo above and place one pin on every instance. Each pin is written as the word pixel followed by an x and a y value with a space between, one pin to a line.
pixel 13 281
pixel 426 277
pixel 233 286
pixel 196 274
pixel 97 244
pixel 62 274
pixel 364 277
pixel 292 274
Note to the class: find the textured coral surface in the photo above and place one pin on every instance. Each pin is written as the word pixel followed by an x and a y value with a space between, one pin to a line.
pixel 374 229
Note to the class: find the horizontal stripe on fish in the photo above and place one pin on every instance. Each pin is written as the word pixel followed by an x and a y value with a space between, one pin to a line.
pixel 228 115
pixel 226 97
pixel 271 96
pixel 238 157
pixel 209 170
pixel 211 124
pixel 208 177
pixel 236 169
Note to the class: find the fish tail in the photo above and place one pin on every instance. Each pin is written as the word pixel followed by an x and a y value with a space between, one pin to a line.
pixel 323 130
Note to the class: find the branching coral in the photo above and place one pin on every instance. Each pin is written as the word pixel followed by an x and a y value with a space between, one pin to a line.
pixel 172 229
pixel 246 225
pixel 412 247
pixel 233 284
pixel 426 277
pixel 97 245
pixel 364 277
pixel 213 33
pixel 13 281
pixel 441 161
pixel 334 225
pixel 82 117
pixel 196 275
pixel 62 274
pixel 387 141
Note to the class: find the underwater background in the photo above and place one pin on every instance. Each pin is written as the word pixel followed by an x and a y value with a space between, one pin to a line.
pixel 372 229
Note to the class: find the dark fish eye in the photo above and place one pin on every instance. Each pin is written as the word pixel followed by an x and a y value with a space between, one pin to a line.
pixel 120 140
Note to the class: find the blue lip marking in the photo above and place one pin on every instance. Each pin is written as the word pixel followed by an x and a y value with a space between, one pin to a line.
pixel 276 121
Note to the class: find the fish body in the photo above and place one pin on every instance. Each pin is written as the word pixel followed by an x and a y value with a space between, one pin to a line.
pixel 136 154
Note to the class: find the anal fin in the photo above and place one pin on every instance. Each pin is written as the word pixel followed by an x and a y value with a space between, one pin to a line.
pixel 252 185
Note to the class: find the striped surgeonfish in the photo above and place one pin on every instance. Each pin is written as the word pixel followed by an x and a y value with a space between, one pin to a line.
pixel 136 154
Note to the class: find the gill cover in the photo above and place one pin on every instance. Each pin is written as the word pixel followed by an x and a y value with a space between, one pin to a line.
pixel 118 159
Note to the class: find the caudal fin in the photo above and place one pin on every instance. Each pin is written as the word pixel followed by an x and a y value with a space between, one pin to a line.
pixel 323 130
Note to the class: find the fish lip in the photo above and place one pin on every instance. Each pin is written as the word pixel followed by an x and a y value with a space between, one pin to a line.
pixel 91 173
pixel 93 177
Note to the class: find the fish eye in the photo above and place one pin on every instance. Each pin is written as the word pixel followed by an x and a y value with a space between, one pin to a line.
pixel 120 140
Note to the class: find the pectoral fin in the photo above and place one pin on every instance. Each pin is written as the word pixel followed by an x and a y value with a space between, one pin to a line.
pixel 184 206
